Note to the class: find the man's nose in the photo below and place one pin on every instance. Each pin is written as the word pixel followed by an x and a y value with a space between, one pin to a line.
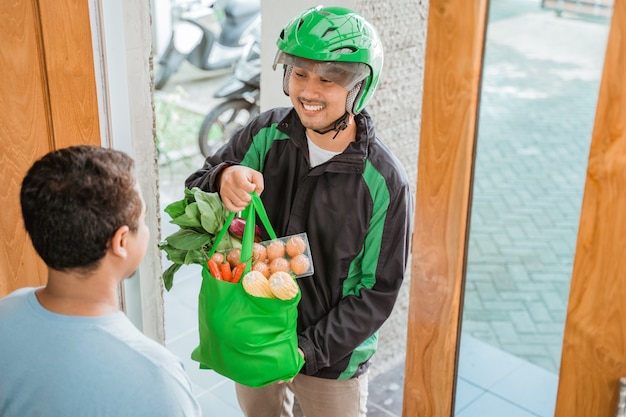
pixel 311 88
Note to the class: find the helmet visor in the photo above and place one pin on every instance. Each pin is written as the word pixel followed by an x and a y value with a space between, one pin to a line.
pixel 346 74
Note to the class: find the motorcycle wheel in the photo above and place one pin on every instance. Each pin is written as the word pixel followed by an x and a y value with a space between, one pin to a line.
pixel 221 122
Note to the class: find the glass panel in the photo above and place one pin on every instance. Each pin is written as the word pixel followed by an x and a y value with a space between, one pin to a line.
pixel 187 108
pixel 540 84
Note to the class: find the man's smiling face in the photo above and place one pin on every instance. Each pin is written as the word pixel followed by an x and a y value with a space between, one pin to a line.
pixel 318 101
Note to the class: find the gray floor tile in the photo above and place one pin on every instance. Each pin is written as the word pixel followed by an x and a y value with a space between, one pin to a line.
pixel 532 386
pixel 226 391
pixel 374 410
pixel 491 405
pixel 181 304
pixel 466 393
pixel 483 364
pixel 214 405
pixel 386 392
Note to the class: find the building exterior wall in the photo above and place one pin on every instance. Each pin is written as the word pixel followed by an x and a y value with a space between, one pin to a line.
pixel 396 106
pixel 397 111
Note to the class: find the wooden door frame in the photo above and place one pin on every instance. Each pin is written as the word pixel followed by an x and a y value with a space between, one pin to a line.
pixel 594 344
pixel 452 77
pixel 591 355
pixel 122 41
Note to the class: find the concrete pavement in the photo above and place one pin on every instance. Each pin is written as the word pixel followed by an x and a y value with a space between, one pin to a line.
pixel 539 93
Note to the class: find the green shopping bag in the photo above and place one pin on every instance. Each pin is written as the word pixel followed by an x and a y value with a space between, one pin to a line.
pixel 248 339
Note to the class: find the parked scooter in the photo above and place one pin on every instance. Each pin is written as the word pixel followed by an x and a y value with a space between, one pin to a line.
pixel 206 45
pixel 241 94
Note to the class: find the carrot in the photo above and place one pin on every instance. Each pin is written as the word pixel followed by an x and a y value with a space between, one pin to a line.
pixel 214 269
pixel 227 274
pixel 238 271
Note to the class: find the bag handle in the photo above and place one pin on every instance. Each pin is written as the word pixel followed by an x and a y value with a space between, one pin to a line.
pixel 247 242
pixel 221 234
pixel 260 210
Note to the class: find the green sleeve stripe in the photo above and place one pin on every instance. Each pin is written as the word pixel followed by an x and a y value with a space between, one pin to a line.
pixel 362 272
pixel 261 144
pixel 365 351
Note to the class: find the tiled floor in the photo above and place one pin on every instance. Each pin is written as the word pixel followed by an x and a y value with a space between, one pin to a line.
pixel 491 382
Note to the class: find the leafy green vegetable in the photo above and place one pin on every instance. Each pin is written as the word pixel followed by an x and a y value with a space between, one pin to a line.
pixel 177 208
pixel 189 218
pixel 189 239
pixel 200 216
pixel 168 276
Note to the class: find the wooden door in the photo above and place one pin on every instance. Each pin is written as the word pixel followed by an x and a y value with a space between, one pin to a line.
pixel 454 52
pixel 594 348
pixel 47 101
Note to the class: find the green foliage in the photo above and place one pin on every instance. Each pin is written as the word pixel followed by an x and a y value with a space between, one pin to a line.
pixel 176 126
pixel 200 216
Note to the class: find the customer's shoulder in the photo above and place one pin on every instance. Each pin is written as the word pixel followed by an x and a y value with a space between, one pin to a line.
pixel 138 347
pixel 16 297
pixel 20 292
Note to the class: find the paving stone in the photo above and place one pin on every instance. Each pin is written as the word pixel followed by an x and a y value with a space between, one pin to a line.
pixel 536 120
pixel 524 296
pixel 505 331
pixel 540 314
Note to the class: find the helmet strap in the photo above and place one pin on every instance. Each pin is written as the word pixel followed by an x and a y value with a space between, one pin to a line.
pixel 339 125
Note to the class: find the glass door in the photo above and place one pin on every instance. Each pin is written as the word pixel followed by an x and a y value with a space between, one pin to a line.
pixel 541 76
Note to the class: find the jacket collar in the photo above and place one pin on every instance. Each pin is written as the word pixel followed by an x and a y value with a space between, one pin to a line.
pixel 356 152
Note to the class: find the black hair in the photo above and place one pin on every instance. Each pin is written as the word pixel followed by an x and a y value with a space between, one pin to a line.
pixel 74 200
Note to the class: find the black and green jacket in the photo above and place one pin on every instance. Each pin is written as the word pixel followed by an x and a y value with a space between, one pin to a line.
pixel 357 212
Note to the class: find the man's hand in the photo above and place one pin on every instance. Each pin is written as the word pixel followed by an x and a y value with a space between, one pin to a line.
pixel 236 184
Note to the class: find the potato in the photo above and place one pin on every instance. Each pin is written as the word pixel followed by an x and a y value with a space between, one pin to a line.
pixel 262 267
pixel 233 257
pixel 300 264
pixel 259 253
pixel 218 258
pixel 275 249
pixel 279 264
pixel 295 246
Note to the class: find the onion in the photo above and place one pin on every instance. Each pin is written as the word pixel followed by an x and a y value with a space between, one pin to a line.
pixel 237 226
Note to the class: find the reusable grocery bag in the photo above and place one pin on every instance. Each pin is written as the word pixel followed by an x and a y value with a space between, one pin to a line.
pixel 251 340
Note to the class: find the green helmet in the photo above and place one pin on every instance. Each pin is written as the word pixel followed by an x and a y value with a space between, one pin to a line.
pixel 337 44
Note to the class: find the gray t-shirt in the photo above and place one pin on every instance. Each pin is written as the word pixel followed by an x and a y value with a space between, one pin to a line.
pixel 57 365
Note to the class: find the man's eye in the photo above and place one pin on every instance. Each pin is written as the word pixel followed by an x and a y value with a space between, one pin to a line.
pixel 299 74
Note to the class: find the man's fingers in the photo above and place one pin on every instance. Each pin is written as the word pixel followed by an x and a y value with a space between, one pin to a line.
pixel 235 204
pixel 257 180
pixel 236 184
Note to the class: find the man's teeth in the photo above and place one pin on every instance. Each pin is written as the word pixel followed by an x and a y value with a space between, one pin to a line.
pixel 312 108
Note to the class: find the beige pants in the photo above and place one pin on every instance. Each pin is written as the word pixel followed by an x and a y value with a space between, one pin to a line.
pixel 317 397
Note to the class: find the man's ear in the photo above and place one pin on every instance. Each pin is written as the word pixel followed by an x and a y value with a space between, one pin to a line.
pixel 119 241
